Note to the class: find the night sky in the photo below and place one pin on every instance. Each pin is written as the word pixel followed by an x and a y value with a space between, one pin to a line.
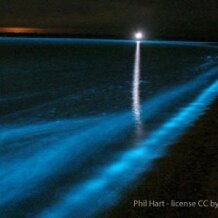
pixel 188 19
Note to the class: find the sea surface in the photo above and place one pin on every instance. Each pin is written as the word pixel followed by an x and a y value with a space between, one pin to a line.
pixel 81 120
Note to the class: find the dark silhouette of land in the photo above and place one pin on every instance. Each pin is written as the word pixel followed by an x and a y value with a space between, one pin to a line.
pixel 105 36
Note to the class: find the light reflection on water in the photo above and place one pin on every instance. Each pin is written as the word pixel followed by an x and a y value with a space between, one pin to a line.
pixel 136 107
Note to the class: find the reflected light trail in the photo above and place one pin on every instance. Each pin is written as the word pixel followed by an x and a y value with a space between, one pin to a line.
pixel 136 108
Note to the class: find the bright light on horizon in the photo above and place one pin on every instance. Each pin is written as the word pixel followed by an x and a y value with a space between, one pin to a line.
pixel 138 35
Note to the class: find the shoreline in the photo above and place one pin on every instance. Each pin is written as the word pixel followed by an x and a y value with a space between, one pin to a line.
pixel 187 173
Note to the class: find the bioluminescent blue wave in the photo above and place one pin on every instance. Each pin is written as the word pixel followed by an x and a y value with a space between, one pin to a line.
pixel 76 133
pixel 116 176
pixel 42 153
pixel 52 155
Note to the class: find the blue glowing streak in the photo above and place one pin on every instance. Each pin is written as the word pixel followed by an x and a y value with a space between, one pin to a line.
pixel 32 154
pixel 136 86
pixel 67 141
pixel 106 187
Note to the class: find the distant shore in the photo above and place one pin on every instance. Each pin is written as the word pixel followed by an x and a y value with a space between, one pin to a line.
pixel 102 36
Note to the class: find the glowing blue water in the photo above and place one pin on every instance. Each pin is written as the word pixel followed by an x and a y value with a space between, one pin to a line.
pixel 91 124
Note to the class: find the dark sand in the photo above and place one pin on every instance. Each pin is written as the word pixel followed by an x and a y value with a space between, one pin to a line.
pixel 189 172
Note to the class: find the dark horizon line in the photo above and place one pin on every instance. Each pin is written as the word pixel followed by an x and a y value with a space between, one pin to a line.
pixel 104 36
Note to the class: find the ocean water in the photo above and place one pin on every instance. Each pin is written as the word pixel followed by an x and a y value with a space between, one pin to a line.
pixel 80 120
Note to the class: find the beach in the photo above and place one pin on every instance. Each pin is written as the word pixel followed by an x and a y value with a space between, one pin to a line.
pixel 187 173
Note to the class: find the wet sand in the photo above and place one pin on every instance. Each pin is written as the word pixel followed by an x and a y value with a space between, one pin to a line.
pixel 189 172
